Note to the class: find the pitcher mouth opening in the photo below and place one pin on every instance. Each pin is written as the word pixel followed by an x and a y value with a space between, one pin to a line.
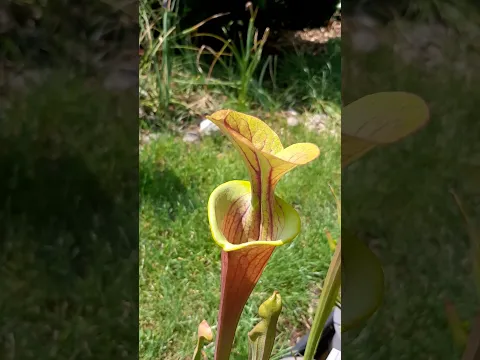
pixel 287 235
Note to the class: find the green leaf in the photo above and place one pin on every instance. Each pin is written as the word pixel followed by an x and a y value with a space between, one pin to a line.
pixel 262 337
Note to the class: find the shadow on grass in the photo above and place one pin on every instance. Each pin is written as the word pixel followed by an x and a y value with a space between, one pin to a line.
pixel 161 186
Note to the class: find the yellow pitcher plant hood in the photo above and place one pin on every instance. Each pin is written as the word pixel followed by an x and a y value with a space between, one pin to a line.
pixel 247 219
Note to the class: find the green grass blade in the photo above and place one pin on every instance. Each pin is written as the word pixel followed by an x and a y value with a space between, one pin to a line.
pixel 264 70
pixel 201 23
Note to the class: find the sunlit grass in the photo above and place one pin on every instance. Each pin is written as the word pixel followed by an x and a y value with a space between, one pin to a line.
pixel 180 264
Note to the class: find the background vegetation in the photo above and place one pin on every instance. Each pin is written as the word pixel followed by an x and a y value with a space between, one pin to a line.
pixel 187 72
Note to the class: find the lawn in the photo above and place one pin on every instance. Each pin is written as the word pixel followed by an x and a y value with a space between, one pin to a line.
pixel 180 263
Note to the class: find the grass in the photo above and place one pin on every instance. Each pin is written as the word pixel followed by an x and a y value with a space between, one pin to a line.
pixel 303 82
pixel 176 65
pixel 398 199
pixel 180 264
pixel 311 81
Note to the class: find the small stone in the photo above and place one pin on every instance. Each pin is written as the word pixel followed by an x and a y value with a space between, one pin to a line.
pixel 317 122
pixel 318 127
pixel 292 121
pixel 207 127
pixel 146 138
pixel 191 137
pixel 154 137
pixel 318 119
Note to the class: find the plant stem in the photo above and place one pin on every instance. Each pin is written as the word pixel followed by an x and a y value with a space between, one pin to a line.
pixel 326 303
